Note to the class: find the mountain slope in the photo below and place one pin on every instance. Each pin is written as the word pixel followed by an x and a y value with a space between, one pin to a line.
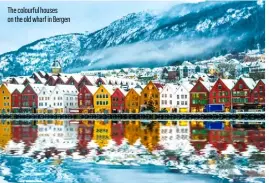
pixel 186 31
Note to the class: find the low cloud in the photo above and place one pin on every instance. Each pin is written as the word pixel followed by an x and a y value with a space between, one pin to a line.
pixel 157 52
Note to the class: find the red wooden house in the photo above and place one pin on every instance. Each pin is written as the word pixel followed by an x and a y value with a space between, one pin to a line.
pixel 220 93
pixel 29 97
pixel 199 95
pixel 258 93
pixel 241 92
pixel 85 97
pixel 16 99
pixel 117 132
pixel 118 100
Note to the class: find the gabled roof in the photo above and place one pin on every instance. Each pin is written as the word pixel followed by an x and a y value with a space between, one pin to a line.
pixel 109 88
pixel 36 87
pixel 49 89
pixel 12 87
pixel 67 89
pixel 207 85
pixel 137 90
pixel 171 87
pixel 92 89
pixel 229 82
pixel 123 91
pixel 249 82
pixel 188 86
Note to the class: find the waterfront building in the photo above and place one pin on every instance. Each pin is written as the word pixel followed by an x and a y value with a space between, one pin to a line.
pixel 167 96
pixel 241 92
pixel 199 95
pixel 6 91
pixel 132 100
pixel 181 99
pixel 29 97
pixel 150 95
pixel 118 100
pixel 102 99
pixel 258 93
pixel 221 93
pixel 85 98
pixel 16 98
pixel 45 102
pixel 64 98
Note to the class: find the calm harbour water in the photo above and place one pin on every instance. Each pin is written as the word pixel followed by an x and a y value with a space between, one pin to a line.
pixel 131 151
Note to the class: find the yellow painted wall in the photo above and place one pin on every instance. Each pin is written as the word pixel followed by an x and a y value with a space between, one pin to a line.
pixel 102 133
pixel 150 92
pixel 5 99
pixel 100 108
pixel 132 101
pixel 5 132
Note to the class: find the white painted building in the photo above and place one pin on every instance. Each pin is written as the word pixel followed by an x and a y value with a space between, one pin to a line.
pixel 174 136
pixel 182 97
pixel 64 98
pixel 167 97
pixel 44 99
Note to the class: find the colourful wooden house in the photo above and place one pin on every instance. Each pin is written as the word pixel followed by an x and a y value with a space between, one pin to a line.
pixel 85 135
pixel 241 92
pixel 118 100
pixel 102 99
pixel 85 97
pixel 150 95
pixel 132 101
pixel 258 93
pixel 29 97
pixel 220 93
pixel 199 96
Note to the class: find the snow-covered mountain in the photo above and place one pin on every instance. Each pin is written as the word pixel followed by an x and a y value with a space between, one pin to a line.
pixel 186 31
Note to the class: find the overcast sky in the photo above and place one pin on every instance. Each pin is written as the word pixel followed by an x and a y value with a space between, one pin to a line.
pixel 85 16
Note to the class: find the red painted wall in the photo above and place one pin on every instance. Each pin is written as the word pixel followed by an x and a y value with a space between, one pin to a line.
pixel 85 98
pixel 117 101
pixel 117 132
pixel 258 93
pixel 28 95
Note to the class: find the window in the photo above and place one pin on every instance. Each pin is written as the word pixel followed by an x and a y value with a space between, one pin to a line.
pixel 240 86
pixel 219 87
pixel 170 102
pixel 214 100
pixel 145 95
pixel 177 102
pixel 177 96
pixel 170 95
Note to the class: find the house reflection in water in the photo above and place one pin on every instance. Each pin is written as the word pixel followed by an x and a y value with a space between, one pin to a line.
pixel 5 132
pixel 102 132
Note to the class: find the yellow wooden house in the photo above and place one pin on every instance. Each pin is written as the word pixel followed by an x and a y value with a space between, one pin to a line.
pixel 5 132
pixel 5 99
pixel 132 131
pixel 102 133
pixel 102 99
pixel 132 101
pixel 150 94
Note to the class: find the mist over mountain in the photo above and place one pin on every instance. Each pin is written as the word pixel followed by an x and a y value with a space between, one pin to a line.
pixel 185 32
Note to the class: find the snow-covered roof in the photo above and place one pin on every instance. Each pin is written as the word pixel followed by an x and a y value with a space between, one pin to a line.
pixel 92 89
pixel 66 89
pixel 188 86
pixel 77 77
pixel 138 90
pixel 123 91
pixel 249 82
pixel 171 87
pixel 229 82
pixel 47 88
pixel 36 87
pixel 207 85
pixel 12 87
